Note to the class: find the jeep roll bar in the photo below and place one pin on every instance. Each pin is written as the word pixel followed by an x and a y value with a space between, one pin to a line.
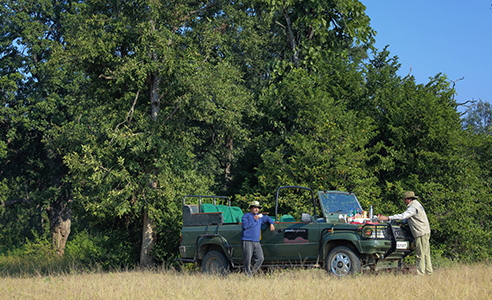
pixel 202 196
pixel 293 187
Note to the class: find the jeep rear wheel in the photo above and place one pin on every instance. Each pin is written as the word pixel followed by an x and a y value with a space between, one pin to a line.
pixel 342 261
pixel 214 262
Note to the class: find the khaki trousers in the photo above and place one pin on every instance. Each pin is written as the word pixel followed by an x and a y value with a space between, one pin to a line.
pixel 422 255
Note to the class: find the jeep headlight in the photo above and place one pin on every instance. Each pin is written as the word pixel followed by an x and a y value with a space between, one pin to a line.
pixel 373 232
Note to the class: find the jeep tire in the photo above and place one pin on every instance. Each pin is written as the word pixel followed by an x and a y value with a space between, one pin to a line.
pixel 214 262
pixel 342 261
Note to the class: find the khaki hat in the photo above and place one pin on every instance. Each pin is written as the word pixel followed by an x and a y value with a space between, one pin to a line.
pixel 410 194
pixel 255 203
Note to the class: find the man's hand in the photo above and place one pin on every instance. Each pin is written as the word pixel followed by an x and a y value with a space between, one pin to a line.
pixel 383 218
pixel 272 227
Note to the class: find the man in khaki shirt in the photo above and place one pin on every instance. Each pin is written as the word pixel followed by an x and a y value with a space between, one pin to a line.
pixel 419 226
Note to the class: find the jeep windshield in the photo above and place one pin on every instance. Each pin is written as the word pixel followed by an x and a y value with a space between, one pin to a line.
pixel 335 202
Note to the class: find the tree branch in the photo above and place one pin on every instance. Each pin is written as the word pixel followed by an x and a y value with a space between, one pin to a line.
pixel 129 115
pixel 281 25
pixel 468 107
pixel 454 83
pixel 16 201
pixel 103 168
pixel 311 33
pixel 466 102
pixel 291 35
pixel 185 18
pixel 174 111
pixel 107 77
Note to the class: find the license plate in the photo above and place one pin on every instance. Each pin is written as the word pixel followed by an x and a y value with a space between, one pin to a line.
pixel 401 245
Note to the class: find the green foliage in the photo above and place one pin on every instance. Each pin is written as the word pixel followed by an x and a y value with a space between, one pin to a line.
pixel 121 108
pixel 313 140
pixel 168 235
pixel 33 257
pixel 479 118
pixel 311 28
pixel 420 146
pixel 108 249
pixel 84 253
pixel 19 223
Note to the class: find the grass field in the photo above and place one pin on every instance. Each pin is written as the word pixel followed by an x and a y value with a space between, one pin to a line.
pixel 456 282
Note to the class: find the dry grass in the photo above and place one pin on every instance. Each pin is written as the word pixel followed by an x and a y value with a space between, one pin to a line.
pixel 458 282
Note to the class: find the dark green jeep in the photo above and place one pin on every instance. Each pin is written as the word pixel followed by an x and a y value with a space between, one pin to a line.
pixel 211 236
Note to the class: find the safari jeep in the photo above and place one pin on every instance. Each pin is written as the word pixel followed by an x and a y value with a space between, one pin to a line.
pixel 211 236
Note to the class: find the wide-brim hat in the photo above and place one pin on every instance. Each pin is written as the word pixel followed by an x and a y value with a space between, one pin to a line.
pixel 410 194
pixel 255 204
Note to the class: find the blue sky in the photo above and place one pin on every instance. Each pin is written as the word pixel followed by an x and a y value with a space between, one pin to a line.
pixel 453 37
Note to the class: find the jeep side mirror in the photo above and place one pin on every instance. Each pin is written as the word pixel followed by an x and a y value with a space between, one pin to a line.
pixel 306 218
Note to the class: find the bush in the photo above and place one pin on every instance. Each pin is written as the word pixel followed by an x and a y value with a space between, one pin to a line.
pixel 106 250
pixel 35 257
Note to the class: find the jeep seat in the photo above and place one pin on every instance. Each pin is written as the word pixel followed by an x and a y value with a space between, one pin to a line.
pixel 287 218
pixel 236 214
pixel 207 208
pixel 226 212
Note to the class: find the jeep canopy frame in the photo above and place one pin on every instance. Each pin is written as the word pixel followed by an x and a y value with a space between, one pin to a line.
pixel 294 187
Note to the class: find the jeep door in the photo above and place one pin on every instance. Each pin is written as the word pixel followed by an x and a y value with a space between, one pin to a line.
pixel 291 242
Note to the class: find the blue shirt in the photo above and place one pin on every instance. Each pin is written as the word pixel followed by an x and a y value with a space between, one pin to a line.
pixel 252 228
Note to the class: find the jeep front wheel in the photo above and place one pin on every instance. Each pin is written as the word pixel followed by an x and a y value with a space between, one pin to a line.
pixel 342 261
pixel 214 262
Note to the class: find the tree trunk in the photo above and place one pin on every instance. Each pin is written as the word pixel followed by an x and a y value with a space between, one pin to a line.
pixel 148 238
pixel 155 103
pixel 228 160
pixel 60 209
pixel 147 241
pixel 60 217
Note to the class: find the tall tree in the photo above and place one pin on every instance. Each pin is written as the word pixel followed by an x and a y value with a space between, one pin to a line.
pixel 479 118
pixel 311 28
pixel 33 104
pixel 421 146
pixel 307 135
pixel 314 140
pixel 161 111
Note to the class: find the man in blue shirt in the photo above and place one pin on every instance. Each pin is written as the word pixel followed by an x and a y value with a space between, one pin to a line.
pixel 250 238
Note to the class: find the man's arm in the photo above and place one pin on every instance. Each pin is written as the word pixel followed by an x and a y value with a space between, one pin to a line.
pixel 411 211
pixel 247 222
pixel 270 221
pixel 266 219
